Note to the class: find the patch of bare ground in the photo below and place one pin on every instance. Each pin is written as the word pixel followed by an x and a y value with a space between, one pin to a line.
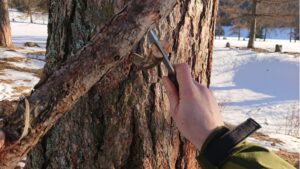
pixel 23 90
pixel 6 81
pixel 15 59
pixel 292 158
pixel 26 80
pixel 296 54
pixel 35 72
pixel 260 50
pixel 37 53
pixel 14 49
pixel 264 137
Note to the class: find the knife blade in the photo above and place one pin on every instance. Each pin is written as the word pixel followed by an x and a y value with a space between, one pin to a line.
pixel 171 71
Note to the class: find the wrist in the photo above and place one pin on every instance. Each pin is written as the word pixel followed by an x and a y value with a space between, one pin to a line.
pixel 222 141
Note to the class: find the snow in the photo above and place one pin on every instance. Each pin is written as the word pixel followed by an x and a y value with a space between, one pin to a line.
pixel 269 45
pixel 20 83
pixel 274 33
pixel 264 86
pixel 26 32
pixel 20 79
pixel 38 17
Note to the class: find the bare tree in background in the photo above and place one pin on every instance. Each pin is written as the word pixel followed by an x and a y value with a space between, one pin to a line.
pixel 29 7
pixel 5 31
pixel 261 14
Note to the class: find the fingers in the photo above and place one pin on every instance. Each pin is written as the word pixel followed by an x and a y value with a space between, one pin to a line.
pixel 172 94
pixel 2 139
pixel 185 80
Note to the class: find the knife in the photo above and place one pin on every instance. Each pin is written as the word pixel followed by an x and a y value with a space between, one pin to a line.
pixel 171 71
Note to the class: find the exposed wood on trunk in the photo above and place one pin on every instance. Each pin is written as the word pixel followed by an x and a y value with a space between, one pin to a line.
pixel 5 33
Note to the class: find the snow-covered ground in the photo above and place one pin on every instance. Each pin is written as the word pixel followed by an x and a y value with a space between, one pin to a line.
pixel 26 32
pixel 19 68
pixel 272 33
pixel 269 44
pixel 37 17
pixel 264 86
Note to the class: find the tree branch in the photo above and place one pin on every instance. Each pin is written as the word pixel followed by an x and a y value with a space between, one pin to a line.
pixel 89 65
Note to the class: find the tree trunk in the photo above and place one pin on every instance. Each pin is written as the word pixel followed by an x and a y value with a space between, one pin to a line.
pixel 5 33
pixel 30 15
pixel 291 33
pixel 253 25
pixel 129 127
pixel 265 34
pixel 239 33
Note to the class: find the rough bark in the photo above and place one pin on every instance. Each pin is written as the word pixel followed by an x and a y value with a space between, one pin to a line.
pixel 253 25
pixel 61 90
pixel 5 32
pixel 123 121
pixel 129 127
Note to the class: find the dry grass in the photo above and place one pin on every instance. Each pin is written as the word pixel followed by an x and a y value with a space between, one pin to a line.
pixel 14 49
pixel 260 50
pixel 6 81
pixel 21 89
pixel 37 53
pixel 26 80
pixel 263 137
pixel 292 158
pixel 6 65
pixel 257 50
pixel 15 59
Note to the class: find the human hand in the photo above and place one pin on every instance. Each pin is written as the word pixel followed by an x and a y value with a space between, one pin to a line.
pixel 194 109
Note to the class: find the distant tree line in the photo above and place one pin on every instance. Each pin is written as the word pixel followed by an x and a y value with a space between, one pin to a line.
pixel 259 17
pixel 29 6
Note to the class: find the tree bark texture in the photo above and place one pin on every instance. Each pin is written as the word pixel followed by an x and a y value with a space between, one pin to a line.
pixel 123 121
pixel 58 92
pixel 253 25
pixel 130 126
pixel 5 32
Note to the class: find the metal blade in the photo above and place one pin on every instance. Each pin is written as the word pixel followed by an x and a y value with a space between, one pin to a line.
pixel 166 61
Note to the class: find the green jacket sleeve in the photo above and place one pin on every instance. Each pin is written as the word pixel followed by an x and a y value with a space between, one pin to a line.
pixel 246 156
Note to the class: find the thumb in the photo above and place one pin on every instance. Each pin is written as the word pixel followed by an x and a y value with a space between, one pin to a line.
pixel 172 95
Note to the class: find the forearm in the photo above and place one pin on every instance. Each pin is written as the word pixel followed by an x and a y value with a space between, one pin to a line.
pixel 243 155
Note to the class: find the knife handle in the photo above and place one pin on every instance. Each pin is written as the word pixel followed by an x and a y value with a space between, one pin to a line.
pixel 173 78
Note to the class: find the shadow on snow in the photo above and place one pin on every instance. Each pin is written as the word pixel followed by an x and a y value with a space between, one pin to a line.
pixel 275 78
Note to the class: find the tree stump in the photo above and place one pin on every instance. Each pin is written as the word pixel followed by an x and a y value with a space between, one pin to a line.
pixel 278 48
pixel 227 45
pixel 31 44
